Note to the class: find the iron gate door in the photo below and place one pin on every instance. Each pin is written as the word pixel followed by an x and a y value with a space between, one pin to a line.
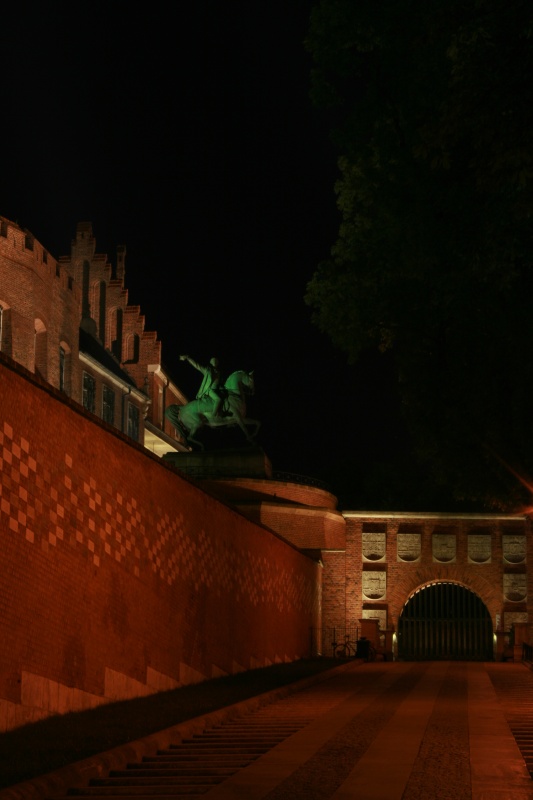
pixel 444 621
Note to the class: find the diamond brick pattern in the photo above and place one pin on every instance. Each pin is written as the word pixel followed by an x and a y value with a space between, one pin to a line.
pixel 107 523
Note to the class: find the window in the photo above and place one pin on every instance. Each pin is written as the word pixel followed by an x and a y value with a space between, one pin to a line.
pixel 116 334
pixel 5 329
pixel 89 392
pixel 41 350
pixel 62 365
pixel 132 349
pixel 28 241
pixel 133 422
pixel 65 369
pixel 108 405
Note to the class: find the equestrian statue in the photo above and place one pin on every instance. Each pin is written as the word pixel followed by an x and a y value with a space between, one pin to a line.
pixel 216 405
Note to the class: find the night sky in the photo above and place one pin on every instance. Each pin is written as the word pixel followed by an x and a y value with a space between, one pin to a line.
pixel 191 140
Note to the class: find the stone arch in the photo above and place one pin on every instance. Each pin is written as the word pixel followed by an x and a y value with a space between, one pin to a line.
pixel 473 579
pixel 445 619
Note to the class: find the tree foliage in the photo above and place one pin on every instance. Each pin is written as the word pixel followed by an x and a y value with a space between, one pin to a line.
pixel 431 112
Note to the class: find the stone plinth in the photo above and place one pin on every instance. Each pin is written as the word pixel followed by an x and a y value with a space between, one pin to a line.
pixel 251 462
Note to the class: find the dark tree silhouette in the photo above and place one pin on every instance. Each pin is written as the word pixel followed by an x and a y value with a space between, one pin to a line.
pixel 430 110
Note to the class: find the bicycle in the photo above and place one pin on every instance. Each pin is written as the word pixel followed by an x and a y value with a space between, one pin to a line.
pixel 344 650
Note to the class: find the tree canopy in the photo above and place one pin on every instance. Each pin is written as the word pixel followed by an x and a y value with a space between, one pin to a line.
pixel 431 114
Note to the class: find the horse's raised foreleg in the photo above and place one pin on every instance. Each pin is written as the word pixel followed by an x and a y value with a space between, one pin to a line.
pixel 194 423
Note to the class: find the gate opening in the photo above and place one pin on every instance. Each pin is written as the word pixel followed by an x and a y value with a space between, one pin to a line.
pixel 445 621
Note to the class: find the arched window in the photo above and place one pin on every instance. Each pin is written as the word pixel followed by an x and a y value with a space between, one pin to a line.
pixel 41 350
pixel 102 312
pixel 132 348
pixel 85 304
pixel 116 333
pixel 65 369
pixel 5 329
pixel 94 301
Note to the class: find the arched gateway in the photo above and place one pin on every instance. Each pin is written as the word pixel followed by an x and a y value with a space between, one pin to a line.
pixel 444 620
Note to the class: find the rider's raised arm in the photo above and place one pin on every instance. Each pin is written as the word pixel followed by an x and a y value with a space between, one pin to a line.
pixel 193 363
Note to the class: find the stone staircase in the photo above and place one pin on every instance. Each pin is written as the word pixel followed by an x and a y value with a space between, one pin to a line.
pixel 515 694
pixel 192 767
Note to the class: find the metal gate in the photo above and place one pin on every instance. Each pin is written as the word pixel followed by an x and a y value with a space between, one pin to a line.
pixel 444 620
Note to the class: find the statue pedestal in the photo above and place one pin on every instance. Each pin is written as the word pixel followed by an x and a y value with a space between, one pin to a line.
pixel 370 630
pixel 251 462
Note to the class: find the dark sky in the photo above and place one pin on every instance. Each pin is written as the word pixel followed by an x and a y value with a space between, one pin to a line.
pixel 191 139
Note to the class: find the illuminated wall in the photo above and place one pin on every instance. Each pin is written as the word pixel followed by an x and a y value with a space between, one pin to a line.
pixel 120 577
pixel 389 556
pixel 374 561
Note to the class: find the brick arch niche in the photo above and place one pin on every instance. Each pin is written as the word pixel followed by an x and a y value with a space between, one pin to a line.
pixel 443 619
pixel 41 349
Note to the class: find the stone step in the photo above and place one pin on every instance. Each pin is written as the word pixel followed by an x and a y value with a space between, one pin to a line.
pixel 207 750
pixel 191 767
pixel 176 769
pixel 130 793
pixel 190 777
pixel 213 738
pixel 516 697
pixel 185 793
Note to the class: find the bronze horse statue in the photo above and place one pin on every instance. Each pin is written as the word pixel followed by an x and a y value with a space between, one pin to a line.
pixel 191 417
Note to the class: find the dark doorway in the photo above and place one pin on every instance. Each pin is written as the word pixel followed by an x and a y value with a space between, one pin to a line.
pixel 444 621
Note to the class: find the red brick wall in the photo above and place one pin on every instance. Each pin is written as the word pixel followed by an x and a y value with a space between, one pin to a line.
pixel 119 576
pixel 335 591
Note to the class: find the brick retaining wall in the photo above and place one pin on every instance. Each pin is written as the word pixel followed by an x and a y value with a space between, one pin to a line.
pixel 120 577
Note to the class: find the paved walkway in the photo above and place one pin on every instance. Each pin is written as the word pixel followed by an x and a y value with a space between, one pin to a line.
pixel 377 731
pixel 398 732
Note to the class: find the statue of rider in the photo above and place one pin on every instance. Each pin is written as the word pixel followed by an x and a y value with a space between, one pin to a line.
pixel 210 382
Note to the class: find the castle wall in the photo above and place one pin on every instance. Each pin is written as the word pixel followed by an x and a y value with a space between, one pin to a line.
pixel 120 577
pixel 41 307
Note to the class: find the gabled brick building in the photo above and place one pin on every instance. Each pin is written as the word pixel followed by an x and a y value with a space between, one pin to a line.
pixel 69 321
